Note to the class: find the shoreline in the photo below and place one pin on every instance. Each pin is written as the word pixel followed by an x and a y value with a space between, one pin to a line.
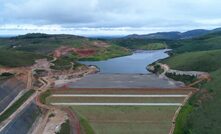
pixel 63 82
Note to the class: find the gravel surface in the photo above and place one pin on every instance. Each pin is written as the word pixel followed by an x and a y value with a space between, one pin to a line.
pixel 123 81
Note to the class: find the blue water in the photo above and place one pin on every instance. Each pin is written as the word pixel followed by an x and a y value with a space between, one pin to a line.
pixel 132 64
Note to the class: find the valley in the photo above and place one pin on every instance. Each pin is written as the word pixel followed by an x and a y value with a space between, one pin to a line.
pixel 59 78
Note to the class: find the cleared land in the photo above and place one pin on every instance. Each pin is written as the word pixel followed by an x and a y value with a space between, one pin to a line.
pixel 119 99
pixel 124 81
pixel 122 111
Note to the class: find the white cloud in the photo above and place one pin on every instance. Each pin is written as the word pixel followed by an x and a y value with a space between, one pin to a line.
pixel 85 31
pixel 137 14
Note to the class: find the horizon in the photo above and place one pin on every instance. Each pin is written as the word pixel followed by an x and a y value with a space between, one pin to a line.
pixel 97 35
pixel 100 18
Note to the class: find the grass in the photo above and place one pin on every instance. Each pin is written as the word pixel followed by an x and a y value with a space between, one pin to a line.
pixel 195 61
pixel 44 95
pixel 122 119
pixel 204 43
pixel 202 114
pixel 153 46
pixel 65 128
pixel 16 105
pixel 11 58
pixel 182 119
pixel 111 52
pixel 144 44
pixel 43 43
pixel 205 117
pixel 85 125
pixel 28 48
pixel 126 119
pixel 64 63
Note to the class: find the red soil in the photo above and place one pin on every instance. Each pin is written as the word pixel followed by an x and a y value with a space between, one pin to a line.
pixel 84 52
pixel 62 51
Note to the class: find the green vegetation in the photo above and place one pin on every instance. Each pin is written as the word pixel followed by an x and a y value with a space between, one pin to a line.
pixel 65 128
pixel 16 105
pixel 205 118
pixel 17 58
pixel 153 46
pixel 85 125
pixel 127 119
pixel 44 95
pixel 207 61
pixel 202 114
pixel 65 63
pixel 187 79
pixel 143 44
pixel 6 75
pixel 182 119
pixel 208 42
pixel 51 115
pixel 156 69
pixel 110 52
pixel 24 50
pixel 43 43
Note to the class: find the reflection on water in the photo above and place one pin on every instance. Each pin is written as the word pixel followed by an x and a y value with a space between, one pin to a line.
pixel 135 63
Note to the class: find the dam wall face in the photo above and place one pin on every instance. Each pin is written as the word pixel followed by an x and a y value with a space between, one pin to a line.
pixel 9 89
pixel 26 118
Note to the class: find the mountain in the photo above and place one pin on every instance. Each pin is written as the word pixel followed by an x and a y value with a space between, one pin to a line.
pixel 159 35
pixel 174 35
pixel 194 33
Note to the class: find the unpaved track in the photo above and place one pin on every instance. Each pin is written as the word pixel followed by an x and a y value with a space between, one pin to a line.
pixel 177 113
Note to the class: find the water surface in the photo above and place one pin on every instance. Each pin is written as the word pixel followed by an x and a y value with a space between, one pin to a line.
pixel 135 63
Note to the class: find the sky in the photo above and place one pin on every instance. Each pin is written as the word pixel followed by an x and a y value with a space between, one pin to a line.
pixel 107 17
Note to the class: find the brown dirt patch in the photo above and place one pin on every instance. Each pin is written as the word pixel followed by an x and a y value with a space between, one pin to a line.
pixel 64 50
pixel 123 91
pixel 101 44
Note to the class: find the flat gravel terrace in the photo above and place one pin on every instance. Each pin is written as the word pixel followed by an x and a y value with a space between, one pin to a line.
pixel 124 81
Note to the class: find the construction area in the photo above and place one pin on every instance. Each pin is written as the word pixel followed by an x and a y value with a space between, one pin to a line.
pixel 45 100
pixel 124 110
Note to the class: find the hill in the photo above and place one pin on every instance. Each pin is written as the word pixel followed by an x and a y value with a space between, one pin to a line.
pixel 206 61
pixel 202 113
pixel 171 35
pixel 174 35
pixel 144 44
pixel 210 41
pixel 160 35
pixel 34 46
pixel 17 58
pixel 195 40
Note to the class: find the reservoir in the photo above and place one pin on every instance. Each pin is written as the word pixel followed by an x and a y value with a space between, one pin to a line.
pixel 132 64
pixel 126 72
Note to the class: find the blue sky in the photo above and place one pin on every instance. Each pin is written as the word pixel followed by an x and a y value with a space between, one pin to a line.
pixel 107 17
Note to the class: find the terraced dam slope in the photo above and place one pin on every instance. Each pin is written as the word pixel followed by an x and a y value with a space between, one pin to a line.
pixel 128 102
pixel 9 89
